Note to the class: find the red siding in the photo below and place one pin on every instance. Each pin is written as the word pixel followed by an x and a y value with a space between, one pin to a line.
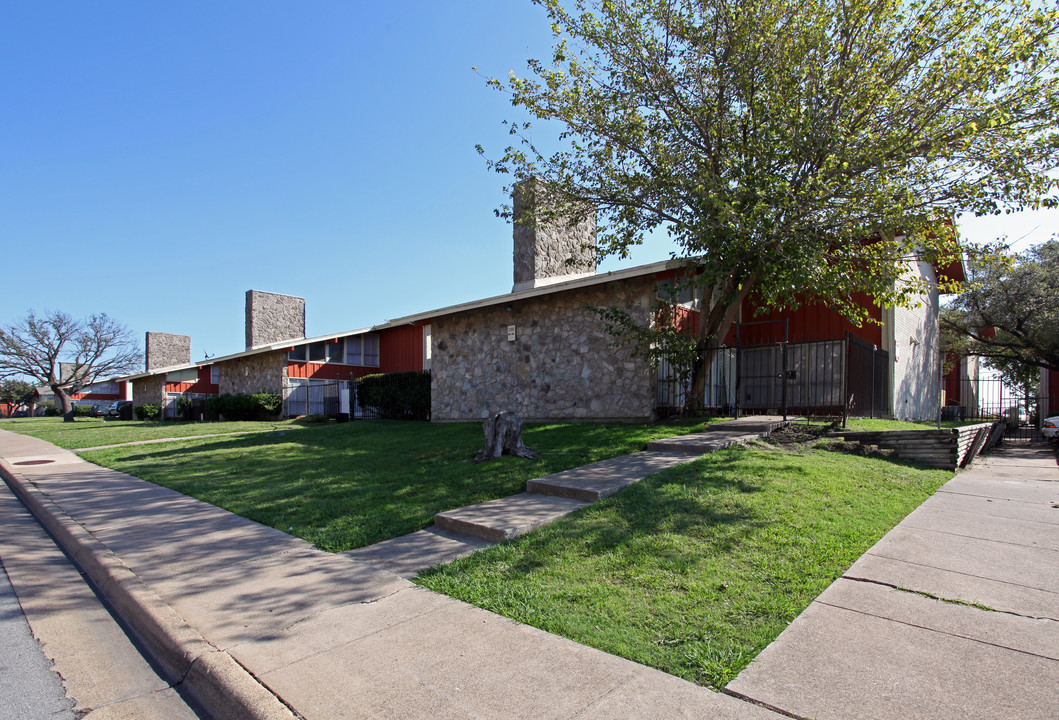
pixel 811 321
pixel 202 385
pixel 951 384
pixel 1053 392
pixel 327 371
pixel 401 349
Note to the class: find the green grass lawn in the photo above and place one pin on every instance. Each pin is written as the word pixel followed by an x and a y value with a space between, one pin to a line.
pixel 875 424
pixel 342 486
pixel 695 570
pixel 95 432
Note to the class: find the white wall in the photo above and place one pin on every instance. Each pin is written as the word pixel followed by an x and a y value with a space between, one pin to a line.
pixel 914 346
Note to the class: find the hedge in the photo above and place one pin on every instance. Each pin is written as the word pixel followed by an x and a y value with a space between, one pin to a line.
pixel 258 406
pixel 396 396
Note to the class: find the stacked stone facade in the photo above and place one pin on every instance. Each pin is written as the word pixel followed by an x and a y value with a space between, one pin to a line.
pixel 166 350
pixel 149 391
pixel 547 250
pixel 560 365
pixel 264 372
pixel 273 318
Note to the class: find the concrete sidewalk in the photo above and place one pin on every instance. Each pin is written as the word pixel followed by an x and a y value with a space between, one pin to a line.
pixel 953 614
pixel 254 623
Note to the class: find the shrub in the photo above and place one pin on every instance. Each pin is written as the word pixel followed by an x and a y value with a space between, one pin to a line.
pixel 148 412
pixel 125 411
pixel 258 406
pixel 396 396
pixel 82 410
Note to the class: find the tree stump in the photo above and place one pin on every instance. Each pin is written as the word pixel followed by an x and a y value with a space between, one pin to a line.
pixel 503 436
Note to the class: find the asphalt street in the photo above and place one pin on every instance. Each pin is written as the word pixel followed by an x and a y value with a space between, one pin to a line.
pixel 29 689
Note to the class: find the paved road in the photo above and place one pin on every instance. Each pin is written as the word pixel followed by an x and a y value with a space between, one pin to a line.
pixel 50 617
pixel 29 689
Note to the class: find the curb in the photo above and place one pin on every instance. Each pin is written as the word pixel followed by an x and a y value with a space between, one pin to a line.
pixel 216 681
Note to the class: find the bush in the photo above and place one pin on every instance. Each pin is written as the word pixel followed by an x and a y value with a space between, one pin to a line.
pixel 396 396
pixel 125 411
pixel 259 406
pixel 148 412
pixel 82 410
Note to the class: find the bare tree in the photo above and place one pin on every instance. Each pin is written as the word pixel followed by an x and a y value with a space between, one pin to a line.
pixel 66 354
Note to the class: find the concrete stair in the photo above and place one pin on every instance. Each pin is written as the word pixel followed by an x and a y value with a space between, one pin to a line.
pixel 604 478
pixel 506 518
pixel 551 497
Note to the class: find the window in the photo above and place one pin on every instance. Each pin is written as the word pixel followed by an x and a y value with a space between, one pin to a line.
pixel 679 292
pixel 362 350
pixel 215 374
pixel 323 351
pixel 179 376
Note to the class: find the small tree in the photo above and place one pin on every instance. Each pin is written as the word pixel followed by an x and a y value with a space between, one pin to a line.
pixel 791 148
pixel 1010 313
pixel 17 392
pixel 66 354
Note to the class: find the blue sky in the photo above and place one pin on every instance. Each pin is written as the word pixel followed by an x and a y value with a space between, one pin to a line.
pixel 160 159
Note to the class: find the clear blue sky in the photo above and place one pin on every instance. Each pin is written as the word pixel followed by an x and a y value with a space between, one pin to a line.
pixel 157 160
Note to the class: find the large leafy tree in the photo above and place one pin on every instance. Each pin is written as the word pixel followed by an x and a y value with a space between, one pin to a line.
pixel 1009 313
pixel 66 354
pixel 791 147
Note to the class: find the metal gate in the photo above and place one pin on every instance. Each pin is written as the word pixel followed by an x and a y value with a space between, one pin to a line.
pixel 992 398
pixel 820 377
pixel 305 396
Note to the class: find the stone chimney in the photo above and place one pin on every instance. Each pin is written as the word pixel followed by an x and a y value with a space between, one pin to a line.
pixel 165 349
pixel 548 250
pixel 272 318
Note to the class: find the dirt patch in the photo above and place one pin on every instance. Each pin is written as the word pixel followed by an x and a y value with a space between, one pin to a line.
pixel 801 438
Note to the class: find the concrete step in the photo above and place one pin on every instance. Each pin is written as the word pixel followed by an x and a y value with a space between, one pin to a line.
pixel 506 518
pixel 721 435
pixel 604 478
pixel 407 555
pixel 704 442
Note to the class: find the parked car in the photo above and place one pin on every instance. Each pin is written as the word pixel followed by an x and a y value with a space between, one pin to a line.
pixel 114 409
pixel 1050 429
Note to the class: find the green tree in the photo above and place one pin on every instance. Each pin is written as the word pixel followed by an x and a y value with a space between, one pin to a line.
pixel 791 148
pixel 1009 313
pixel 66 354
pixel 17 392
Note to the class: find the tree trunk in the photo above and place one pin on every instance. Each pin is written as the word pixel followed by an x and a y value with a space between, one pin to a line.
pixel 714 323
pixel 67 403
pixel 503 436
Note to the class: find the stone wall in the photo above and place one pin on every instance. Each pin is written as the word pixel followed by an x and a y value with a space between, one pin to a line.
pixel 273 318
pixel 560 366
pixel 263 372
pixel 165 350
pixel 548 249
pixel 148 391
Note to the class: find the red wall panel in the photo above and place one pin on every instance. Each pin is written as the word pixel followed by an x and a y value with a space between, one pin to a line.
pixel 401 349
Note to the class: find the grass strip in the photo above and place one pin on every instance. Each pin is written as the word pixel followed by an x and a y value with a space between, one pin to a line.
pixel 97 432
pixel 342 486
pixel 695 570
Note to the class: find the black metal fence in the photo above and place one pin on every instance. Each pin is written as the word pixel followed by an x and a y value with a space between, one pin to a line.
pixel 991 398
pixel 819 377
pixel 304 396
pixel 399 395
